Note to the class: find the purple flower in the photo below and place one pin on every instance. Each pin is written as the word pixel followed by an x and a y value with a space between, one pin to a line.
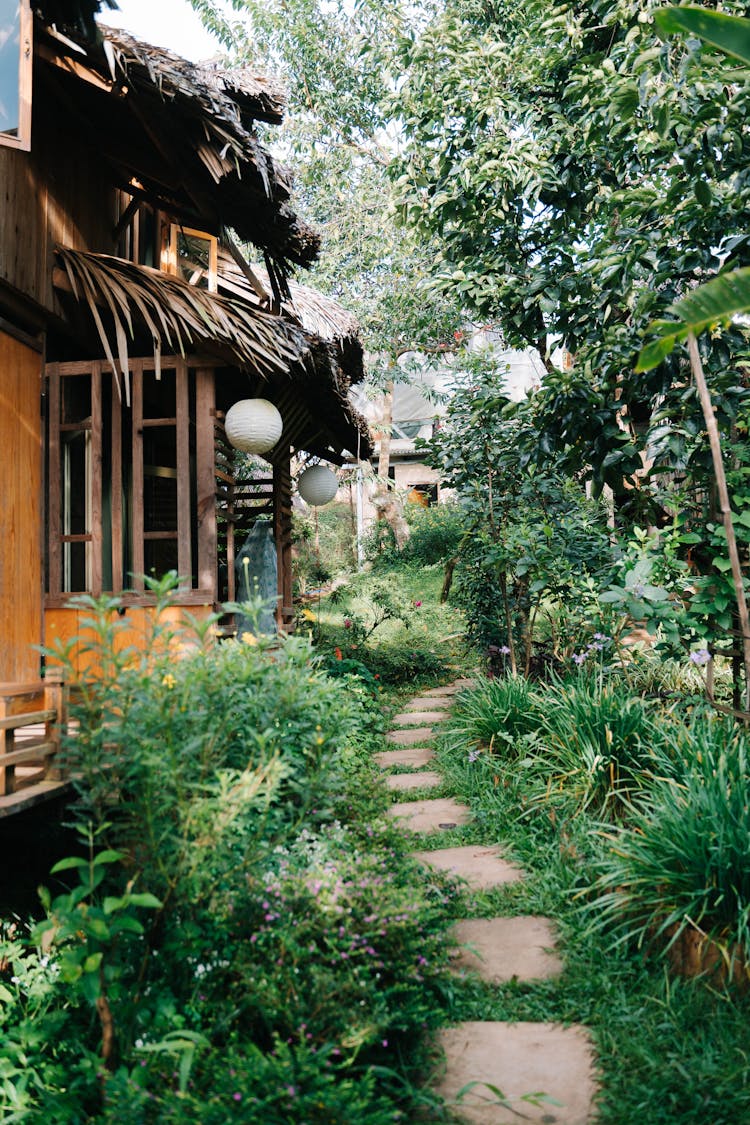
pixel 473 755
pixel 579 657
pixel 417 605
pixel 700 656
pixel 504 650
pixel 237 1097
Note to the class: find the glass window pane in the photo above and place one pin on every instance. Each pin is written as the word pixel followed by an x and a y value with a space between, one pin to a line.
pixel 10 66
pixel 76 569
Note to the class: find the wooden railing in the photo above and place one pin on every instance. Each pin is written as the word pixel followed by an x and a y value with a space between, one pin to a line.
pixel 32 718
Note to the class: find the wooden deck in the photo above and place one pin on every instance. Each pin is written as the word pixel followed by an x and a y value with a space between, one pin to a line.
pixel 32 718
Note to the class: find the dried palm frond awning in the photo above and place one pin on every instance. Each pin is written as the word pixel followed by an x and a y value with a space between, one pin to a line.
pixel 185 133
pixel 129 302
pixel 314 311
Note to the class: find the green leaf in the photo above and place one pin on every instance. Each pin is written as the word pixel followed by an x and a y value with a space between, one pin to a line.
pixel 108 856
pixel 69 862
pixel 715 302
pixel 652 354
pixel 146 900
pixel 730 34
pixel 92 963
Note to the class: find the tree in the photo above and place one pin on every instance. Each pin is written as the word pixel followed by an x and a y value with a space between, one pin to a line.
pixel 582 175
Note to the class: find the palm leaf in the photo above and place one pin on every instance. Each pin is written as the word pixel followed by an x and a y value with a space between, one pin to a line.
pixel 730 34
pixel 716 302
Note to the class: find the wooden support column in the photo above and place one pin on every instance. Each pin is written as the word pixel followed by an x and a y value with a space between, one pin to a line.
pixel 55 699
pixel 205 411
pixel 282 533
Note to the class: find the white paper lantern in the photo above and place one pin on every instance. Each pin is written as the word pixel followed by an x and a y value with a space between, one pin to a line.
pixel 253 425
pixel 318 485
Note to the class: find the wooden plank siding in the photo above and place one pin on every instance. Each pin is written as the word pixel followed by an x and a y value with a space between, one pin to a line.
pixel 21 492
pixel 59 193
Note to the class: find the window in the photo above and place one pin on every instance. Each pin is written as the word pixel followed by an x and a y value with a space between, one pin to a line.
pixel 16 61
pixel 193 256
pixel 122 483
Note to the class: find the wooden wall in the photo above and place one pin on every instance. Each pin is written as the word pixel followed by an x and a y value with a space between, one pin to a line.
pixel 21 500
pixel 59 193
pixel 135 629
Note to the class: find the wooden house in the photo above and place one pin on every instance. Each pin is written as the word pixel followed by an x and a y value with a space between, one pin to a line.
pixel 130 321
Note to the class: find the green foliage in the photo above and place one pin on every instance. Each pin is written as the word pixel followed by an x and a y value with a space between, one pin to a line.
pixel 495 715
pixel 234 908
pixel 436 533
pixel 531 536
pixel 554 151
pixel 729 33
pixel 599 748
pixel 682 862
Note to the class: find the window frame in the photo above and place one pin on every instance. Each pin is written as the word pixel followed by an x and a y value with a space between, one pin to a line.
pixel 195 523
pixel 22 141
pixel 170 256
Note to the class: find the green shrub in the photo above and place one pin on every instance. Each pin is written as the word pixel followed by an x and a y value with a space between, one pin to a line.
pixel 237 926
pixel 684 859
pixel 436 533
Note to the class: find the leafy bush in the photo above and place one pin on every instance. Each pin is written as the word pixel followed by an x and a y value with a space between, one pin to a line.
pixel 227 947
pixel 683 862
pixel 436 533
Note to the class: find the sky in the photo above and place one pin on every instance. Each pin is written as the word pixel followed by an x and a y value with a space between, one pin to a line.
pixel 164 23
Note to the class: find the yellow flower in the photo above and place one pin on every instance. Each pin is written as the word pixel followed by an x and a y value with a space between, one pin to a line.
pixel 249 639
pixel 169 681
pixel 308 615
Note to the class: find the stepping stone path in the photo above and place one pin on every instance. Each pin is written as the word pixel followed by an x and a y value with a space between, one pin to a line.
pixel 422 780
pixel 494 1072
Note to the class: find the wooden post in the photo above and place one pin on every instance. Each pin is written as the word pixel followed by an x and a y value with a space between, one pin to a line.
pixel 282 533
pixel 206 481
pixel 55 699
pixel 7 745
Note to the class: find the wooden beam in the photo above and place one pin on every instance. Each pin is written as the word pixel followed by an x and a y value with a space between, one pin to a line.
pixel 184 552
pixel 206 480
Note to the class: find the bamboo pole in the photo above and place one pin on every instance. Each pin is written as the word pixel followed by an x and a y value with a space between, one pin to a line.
pixel 726 511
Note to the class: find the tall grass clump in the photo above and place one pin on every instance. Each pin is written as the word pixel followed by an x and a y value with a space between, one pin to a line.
pixel 497 714
pixel 681 867
pixel 599 749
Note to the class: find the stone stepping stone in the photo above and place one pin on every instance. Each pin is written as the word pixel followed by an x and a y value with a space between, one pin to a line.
pixel 415 718
pixel 416 757
pixel 427 779
pixel 410 737
pixel 440 692
pixel 519 1059
pixel 482 867
pixel 440 703
pixel 432 815
pixel 502 949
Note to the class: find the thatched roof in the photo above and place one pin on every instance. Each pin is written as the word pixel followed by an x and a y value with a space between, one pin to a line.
pixel 315 312
pixel 131 304
pixel 184 133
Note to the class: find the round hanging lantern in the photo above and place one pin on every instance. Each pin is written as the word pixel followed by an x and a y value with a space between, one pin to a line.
pixel 253 425
pixel 318 485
